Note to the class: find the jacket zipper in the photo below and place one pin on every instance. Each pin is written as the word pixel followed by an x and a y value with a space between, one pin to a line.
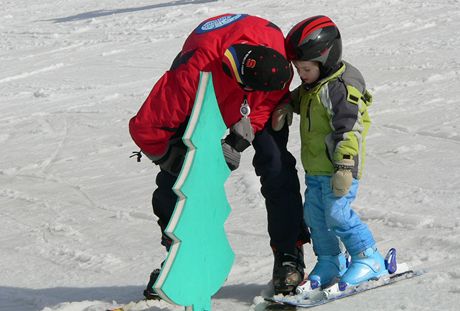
pixel 308 115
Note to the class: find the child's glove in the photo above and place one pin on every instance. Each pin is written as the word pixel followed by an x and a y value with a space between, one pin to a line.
pixel 281 115
pixel 343 177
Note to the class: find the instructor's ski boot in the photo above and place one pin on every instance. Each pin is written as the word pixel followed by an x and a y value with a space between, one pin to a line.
pixel 365 266
pixel 149 292
pixel 288 271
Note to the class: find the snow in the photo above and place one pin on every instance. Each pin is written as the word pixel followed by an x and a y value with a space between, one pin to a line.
pixel 77 232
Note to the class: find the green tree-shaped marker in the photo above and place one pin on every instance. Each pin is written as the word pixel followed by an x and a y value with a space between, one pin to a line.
pixel 200 257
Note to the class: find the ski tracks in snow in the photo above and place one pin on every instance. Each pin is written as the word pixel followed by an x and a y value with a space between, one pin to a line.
pixel 76 211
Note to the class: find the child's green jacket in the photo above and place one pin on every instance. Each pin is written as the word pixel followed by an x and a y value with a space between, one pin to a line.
pixel 333 121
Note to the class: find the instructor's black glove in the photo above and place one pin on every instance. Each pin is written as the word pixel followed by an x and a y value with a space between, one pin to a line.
pixel 231 155
pixel 240 137
pixel 173 159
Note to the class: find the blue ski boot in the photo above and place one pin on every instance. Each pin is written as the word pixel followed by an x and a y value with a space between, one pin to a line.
pixel 325 272
pixel 327 269
pixel 365 266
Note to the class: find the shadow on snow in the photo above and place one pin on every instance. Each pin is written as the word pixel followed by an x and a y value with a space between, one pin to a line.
pixel 26 299
pixel 100 13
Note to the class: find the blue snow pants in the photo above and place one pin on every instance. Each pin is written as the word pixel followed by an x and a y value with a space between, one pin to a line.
pixel 330 217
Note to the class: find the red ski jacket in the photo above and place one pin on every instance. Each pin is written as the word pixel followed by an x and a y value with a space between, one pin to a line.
pixel 171 100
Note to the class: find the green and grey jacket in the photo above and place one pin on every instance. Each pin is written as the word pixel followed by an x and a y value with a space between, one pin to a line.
pixel 333 121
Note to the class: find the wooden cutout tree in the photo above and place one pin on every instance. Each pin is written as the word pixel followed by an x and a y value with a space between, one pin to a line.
pixel 200 257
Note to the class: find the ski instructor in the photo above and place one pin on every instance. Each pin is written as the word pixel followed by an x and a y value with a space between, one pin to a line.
pixel 251 77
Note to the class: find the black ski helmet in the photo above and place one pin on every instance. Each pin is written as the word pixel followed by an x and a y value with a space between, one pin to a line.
pixel 315 39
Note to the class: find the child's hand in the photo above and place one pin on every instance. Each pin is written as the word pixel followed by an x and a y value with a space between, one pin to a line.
pixel 343 177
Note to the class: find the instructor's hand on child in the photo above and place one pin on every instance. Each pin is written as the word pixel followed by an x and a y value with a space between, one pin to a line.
pixel 282 115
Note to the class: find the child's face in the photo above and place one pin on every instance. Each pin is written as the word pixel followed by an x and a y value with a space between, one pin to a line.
pixel 307 70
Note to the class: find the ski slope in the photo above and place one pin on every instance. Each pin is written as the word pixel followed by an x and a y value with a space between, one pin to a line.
pixel 77 232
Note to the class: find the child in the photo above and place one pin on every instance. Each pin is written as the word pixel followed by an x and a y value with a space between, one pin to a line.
pixel 332 102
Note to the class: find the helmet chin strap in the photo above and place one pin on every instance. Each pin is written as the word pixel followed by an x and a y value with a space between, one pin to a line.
pixel 324 72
